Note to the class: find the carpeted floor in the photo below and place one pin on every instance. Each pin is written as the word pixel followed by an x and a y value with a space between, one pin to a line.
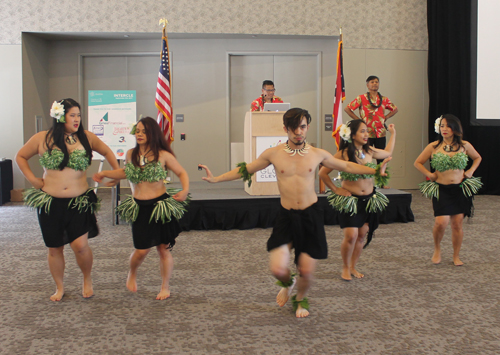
pixel 223 297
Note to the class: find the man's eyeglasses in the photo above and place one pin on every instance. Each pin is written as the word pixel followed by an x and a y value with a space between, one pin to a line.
pixel 272 90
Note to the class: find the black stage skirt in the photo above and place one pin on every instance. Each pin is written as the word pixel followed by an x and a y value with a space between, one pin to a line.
pixel 452 201
pixel 305 229
pixel 150 234
pixel 360 218
pixel 63 224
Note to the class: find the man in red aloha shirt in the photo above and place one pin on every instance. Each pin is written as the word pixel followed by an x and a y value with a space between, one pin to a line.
pixel 268 91
pixel 372 106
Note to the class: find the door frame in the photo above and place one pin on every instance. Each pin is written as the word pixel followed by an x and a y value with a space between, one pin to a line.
pixel 270 53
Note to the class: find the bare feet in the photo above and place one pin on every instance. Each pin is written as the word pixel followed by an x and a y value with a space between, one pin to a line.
pixel 346 274
pixel 285 293
pixel 301 312
pixel 436 258
pixel 357 274
pixel 457 261
pixel 131 283
pixel 163 295
pixel 56 297
pixel 88 290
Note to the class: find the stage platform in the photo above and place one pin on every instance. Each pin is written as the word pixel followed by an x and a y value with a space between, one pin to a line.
pixel 225 206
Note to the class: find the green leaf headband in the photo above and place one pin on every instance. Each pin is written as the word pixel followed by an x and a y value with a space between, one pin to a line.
pixel 57 112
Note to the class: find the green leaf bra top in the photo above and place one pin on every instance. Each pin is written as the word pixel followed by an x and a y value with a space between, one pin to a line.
pixel 78 160
pixel 151 172
pixel 355 177
pixel 442 162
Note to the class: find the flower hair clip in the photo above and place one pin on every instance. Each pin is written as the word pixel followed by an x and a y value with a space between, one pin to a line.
pixel 57 112
pixel 134 126
pixel 437 124
pixel 345 133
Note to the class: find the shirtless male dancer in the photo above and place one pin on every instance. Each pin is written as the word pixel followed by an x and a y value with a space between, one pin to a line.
pixel 300 223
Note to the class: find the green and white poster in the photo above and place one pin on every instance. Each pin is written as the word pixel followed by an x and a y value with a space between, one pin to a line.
pixel 112 113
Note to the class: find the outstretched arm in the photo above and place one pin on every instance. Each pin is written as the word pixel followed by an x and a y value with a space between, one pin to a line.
pixel 387 152
pixel 260 163
pixel 350 167
pixel 116 174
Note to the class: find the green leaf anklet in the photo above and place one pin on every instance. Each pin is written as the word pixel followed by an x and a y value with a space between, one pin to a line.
pixel 304 303
pixel 287 283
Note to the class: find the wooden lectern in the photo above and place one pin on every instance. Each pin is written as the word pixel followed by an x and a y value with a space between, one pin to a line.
pixel 261 124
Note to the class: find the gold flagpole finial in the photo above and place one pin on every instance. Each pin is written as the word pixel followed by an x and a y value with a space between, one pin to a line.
pixel 340 29
pixel 163 21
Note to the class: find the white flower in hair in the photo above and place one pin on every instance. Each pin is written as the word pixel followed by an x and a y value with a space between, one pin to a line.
pixel 437 124
pixel 345 132
pixel 57 111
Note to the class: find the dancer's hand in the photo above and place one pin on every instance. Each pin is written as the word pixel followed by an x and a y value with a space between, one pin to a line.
pixel 181 196
pixel 433 177
pixel 468 174
pixel 384 166
pixel 37 183
pixel 210 176
pixel 97 177
pixel 342 192
pixel 391 128
pixel 112 182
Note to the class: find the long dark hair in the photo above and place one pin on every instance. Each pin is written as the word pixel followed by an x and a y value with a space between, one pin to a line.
pixel 156 140
pixel 454 123
pixel 55 135
pixel 349 147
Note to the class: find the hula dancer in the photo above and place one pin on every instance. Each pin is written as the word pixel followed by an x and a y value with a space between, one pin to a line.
pixel 153 212
pixel 451 187
pixel 300 223
pixel 62 197
pixel 357 200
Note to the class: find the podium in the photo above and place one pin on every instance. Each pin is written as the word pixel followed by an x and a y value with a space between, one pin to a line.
pixel 261 124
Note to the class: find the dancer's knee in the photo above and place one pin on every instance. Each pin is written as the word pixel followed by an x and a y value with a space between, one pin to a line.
pixel 53 252
pixel 163 251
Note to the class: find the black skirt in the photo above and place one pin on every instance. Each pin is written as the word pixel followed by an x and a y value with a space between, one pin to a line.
pixel 63 224
pixel 452 201
pixel 150 234
pixel 360 218
pixel 305 229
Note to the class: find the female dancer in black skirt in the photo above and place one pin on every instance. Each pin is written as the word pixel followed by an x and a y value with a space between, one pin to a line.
pixel 65 204
pixel 153 212
pixel 357 200
pixel 451 187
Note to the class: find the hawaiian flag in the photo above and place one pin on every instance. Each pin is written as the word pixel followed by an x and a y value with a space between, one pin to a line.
pixel 163 100
pixel 339 96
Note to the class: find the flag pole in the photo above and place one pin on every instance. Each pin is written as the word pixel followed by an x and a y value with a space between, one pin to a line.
pixel 164 33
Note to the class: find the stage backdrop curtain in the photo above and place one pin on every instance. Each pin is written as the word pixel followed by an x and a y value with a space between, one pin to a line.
pixel 449 73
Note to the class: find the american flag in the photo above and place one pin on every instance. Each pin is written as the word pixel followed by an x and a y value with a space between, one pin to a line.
pixel 163 101
pixel 339 95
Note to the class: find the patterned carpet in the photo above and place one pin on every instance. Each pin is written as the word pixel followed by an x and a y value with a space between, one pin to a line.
pixel 223 297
